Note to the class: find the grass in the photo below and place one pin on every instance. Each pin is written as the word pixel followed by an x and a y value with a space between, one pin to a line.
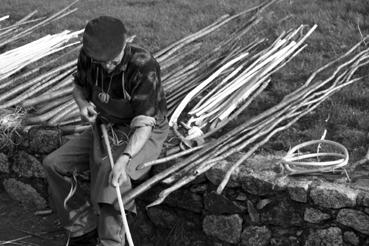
pixel 157 23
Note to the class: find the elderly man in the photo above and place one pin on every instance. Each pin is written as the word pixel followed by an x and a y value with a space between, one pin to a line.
pixel 116 84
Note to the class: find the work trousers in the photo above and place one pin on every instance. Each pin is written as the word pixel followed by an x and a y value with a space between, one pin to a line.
pixel 86 212
pixel 80 217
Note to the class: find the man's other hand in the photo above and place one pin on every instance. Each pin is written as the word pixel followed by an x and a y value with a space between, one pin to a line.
pixel 118 175
pixel 88 112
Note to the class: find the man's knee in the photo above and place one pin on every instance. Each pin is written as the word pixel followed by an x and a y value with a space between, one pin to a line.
pixel 50 162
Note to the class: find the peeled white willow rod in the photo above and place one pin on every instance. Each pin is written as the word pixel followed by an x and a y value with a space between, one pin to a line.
pixel 299 156
pixel 240 96
pixel 252 69
pixel 35 51
pixel 4 17
pixel 212 92
pixel 4 84
pixel 239 110
pixel 194 92
pixel 244 93
pixel 32 60
pixel 225 91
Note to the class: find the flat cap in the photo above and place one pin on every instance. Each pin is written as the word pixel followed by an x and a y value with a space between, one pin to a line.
pixel 103 38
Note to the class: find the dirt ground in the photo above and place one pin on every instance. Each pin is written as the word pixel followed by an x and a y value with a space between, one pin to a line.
pixel 27 229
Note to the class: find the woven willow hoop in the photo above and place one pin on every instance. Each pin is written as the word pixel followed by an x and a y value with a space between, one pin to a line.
pixel 298 162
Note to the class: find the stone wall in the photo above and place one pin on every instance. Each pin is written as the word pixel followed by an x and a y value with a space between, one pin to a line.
pixel 260 205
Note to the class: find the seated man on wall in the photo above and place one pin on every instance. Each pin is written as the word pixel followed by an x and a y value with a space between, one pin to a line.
pixel 116 84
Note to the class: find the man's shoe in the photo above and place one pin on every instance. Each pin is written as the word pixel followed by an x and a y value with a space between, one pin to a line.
pixel 88 239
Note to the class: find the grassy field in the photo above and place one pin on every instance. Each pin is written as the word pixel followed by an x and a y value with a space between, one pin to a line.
pixel 157 23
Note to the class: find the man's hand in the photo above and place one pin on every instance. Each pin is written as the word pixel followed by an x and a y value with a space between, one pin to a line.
pixel 88 112
pixel 118 175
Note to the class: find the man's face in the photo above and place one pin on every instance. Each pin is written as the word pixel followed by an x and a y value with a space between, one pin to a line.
pixel 109 66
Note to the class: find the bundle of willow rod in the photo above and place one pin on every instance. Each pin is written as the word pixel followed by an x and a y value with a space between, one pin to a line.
pixel 184 73
pixel 28 90
pixel 243 78
pixel 14 60
pixel 255 132
pixel 17 30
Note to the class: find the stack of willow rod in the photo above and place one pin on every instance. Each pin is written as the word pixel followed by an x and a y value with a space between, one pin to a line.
pixel 16 87
pixel 255 132
pixel 47 97
pixel 245 75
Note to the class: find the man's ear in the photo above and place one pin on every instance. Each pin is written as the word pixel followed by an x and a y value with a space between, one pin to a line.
pixel 130 39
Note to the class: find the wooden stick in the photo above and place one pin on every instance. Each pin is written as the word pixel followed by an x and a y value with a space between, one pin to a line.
pixel 117 188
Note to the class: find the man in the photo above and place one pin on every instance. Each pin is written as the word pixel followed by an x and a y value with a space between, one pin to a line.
pixel 116 84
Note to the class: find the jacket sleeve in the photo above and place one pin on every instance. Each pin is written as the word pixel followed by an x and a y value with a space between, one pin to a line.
pixel 81 75
pixel 146 95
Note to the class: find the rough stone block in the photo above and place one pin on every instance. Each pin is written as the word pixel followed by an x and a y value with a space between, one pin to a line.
pixel 255 236
pixel 355 219
pixel 298 190
pixel 330 195
pixel 351 238
pixel 219 204
pixel 223 227
pixel 328 237
pixel 26 165
pixel 283 214
pixel 44 141
pixel 363 198
pixel 4 163
pixel 216 174
pixel 185 199
pixel 162 217
pixel 315 216
pixel 24 193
